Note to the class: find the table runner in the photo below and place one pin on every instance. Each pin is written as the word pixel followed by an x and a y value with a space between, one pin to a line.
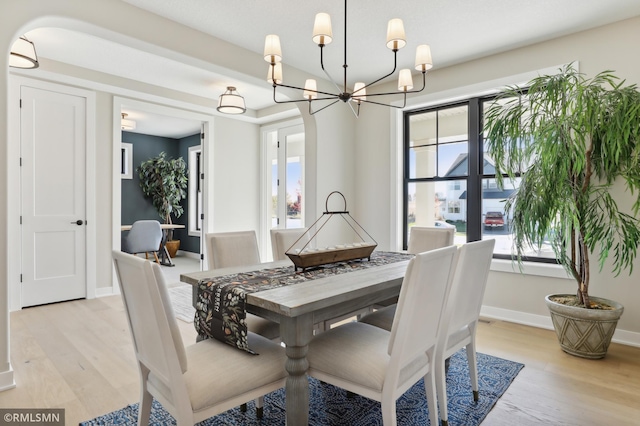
pixel 221 301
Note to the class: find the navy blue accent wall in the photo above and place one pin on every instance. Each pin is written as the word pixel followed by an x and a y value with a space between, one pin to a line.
pixel 134 205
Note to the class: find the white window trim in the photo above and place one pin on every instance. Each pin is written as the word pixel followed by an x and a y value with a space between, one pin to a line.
pixel 193 196
pixel 127 160
pixel 265 188
pixel 530 268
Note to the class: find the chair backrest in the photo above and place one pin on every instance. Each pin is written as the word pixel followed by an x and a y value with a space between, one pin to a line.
pixel 163 289
pixel 425 238
pixel 422 299
pixel 227 249
pixel 144 236
pixel 469 284
pixel 283 239
pixel 156 337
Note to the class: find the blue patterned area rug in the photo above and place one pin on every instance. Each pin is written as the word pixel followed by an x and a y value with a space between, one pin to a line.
pixel 330 406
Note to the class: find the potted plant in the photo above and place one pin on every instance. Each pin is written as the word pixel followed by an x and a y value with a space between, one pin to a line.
pixel 570 138
pixel 164 180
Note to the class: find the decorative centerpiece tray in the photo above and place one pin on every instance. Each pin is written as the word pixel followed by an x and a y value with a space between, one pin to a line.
pixel 353 241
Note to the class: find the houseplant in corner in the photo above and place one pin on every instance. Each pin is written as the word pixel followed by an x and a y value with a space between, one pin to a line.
pixel 572 138
pixel 164 180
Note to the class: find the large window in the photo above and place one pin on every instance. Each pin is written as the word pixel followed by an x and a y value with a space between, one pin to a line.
pixel 449 180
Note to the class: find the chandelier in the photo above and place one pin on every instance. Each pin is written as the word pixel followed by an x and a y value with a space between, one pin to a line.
pixel 323 35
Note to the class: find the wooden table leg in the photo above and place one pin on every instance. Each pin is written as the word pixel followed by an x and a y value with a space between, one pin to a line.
pixel 296 333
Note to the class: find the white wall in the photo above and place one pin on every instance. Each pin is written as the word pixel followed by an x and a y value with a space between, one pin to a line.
pixel 236 174
pixel 607 47
pixel 330 167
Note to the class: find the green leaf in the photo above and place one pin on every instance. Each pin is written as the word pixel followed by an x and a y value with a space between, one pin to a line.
pixel 165 182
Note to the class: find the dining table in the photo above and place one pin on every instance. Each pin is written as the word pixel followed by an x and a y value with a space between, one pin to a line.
pixel 299 306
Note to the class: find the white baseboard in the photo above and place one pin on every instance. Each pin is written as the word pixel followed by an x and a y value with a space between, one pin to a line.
pixel 107 291
pixel 6 380
pixel 188 254
pixel 623 337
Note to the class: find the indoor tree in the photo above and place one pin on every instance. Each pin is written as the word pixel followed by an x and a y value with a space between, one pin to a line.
pixel 570 138
pixel 164 180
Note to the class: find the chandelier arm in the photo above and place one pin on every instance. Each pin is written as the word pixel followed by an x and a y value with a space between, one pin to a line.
pixel 326 106
pixel 325 71
pixel 306 100
pixel 399 92
pixel 424 83
pixel 395 65
pixel 301 100
pixel 389 105
pixel 303 89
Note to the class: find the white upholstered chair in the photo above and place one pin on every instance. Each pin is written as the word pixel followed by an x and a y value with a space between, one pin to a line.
pixel 460 319
pixel 145 237
pixel 421 239
pixel 228 249
pixel 425 238
pixel 201 380
pixel 383 365
pixel 283 239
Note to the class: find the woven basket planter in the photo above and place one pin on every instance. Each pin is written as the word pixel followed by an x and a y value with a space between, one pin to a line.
pixel 172 247
pixel 584 332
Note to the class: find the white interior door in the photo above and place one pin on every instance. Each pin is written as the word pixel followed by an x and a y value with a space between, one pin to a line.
pixel 53 213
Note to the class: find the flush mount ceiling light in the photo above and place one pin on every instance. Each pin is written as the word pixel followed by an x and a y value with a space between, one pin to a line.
pixel 23 54
pixel 127 124
pixel 323 35
pixel 230 102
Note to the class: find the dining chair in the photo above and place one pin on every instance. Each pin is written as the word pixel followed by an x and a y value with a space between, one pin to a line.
pixel 421 239
pixel 380 364
pixel 425 238
pixel 240 248
pixel 195 382
pixel 283 239
pixel 461 315
pixel 145 237
pixel 228 249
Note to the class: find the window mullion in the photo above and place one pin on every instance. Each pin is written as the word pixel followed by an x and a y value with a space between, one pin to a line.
pixel 474 180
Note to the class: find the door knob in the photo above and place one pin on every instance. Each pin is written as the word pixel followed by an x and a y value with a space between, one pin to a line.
pixel 78 222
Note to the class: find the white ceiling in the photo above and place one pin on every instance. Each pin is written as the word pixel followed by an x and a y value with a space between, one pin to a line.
pixel 456 30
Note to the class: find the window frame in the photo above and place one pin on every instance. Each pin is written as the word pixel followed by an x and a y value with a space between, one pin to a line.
pixel 475 173
pixel 195 184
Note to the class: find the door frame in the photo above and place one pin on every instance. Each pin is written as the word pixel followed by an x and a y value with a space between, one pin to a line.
pixel 14 190
pixel 264 237
pixel 207 121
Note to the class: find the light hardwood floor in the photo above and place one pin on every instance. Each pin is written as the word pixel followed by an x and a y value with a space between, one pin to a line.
pixel 78 356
